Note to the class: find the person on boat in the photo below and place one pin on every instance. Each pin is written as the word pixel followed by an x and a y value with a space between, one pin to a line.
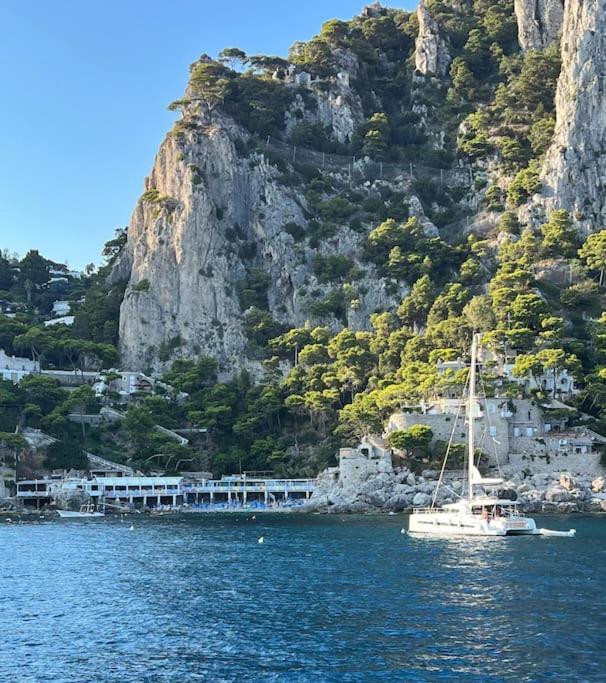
pixel 485 514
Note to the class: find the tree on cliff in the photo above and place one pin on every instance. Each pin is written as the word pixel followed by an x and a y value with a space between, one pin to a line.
pixel 593 252
pixel 210 83
pixel 233 57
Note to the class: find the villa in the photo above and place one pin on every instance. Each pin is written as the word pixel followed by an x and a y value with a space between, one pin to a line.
pixel 14 368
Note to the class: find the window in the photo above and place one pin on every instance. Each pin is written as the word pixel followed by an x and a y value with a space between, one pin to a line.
pixel 493 431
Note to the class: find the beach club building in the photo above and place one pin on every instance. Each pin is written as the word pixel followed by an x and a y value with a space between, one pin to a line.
pixel 159 491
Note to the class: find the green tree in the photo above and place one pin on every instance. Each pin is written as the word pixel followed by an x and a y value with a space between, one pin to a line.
pixel 34 268
pixel 210 83
pixel 526 183
pixel 412 440
pixel 416 305
pixel 233 57
pixel 479 313
pixel 593 252
pixel 559 235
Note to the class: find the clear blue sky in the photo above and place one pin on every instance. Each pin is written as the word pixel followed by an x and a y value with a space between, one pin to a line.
pixel 85 85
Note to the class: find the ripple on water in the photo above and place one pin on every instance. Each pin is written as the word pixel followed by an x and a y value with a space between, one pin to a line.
pixel 197 598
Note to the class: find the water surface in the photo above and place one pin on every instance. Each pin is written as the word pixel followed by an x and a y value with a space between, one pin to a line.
pixel 325 598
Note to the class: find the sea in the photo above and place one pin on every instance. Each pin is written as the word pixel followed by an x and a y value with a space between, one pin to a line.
pixel 197 597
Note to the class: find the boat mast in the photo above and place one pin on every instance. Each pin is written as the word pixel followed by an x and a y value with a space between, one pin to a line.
pixel 471 399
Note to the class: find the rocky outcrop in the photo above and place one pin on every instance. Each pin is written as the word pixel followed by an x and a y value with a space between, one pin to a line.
pixel 574 171
pixel 401 490
pixel 432 57
pixel 212 214
pixel 383 490
pixel 539 22
pixel 67 499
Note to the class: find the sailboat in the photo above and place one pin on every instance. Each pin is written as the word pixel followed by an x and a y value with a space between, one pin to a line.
pixel 476 515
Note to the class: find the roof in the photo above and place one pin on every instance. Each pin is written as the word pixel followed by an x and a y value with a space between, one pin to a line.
pixel 138 481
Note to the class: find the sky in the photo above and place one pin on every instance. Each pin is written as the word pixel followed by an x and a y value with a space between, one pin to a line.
pixel 84 89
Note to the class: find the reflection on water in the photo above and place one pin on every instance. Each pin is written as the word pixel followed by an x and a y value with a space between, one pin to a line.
pixel 324 598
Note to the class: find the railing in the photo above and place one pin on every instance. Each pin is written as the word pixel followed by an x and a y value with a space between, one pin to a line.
pixel 33 494
pixel 364 165
pixel 252 487
pixel 175 491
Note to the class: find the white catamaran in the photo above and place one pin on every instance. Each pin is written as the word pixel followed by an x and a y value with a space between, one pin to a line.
pixel 475 515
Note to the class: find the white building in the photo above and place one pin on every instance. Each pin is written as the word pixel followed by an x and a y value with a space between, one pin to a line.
pixel 14 369
pixel 61 308
pixel 118 490
pixel 126 383
pixel 560 384
pixel 64 320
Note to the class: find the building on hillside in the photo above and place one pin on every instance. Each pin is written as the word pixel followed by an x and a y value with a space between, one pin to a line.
pixel 61 308
pixel 14 368
pixel 452 365
pixel 371 456
pixel 512 433
pixel 64 320
pixel 559 384
pixel 127 383
pixel 11 308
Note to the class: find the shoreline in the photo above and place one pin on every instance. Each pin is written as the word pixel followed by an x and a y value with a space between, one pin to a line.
pixel 51 515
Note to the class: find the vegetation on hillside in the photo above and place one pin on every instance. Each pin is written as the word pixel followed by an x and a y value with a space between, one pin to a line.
pixel 535 292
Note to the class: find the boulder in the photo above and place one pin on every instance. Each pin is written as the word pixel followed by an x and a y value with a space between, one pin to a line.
pixel 598 484
pixel 557 494
pixel 421 500
pixel 566 481
pixel 71 499
pixel 411 479
pixel 508 494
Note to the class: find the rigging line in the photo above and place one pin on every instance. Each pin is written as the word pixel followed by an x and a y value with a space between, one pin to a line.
pixel 454 426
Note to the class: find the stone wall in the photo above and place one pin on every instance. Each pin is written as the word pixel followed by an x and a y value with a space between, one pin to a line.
pixel 537 461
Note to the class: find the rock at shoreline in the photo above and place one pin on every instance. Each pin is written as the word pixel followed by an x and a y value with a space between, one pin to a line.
pixel 402 490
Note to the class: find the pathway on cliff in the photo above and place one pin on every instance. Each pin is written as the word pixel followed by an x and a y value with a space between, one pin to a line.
pixel 369 169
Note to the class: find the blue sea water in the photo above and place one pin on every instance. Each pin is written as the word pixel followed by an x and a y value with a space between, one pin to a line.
pixel 324 598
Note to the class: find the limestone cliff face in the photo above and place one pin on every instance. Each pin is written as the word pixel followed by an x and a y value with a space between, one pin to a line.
pixel 337 107
pixel 539 22
pixel 574 172
pixel 431 53
pixel 208 216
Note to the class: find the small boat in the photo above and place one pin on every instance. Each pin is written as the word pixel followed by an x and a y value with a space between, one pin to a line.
pixel 85 511
pixel 475 515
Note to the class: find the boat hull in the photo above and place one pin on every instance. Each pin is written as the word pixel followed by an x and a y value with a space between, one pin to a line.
pixel 70 514
pixel 453 524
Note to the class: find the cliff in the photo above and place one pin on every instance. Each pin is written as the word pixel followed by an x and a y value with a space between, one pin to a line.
pixel 574 172
pixel 212 220
pixel 273 172
pixel 539 22
pixel 431 52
